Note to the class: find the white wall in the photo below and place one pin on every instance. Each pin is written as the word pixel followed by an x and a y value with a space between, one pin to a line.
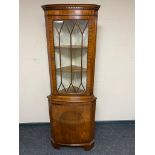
pixel 114 74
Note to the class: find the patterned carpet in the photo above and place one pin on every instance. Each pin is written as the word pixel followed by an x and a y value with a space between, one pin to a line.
pixel 110 139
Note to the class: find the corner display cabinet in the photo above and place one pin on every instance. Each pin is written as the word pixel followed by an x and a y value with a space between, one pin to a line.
pixel 71 39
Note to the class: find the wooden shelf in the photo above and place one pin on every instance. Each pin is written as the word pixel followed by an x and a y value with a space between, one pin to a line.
pixel 74 69
pixel 73 46
pixel 72 90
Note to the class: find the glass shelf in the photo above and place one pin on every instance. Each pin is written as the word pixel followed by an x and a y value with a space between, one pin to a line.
pixel 75 69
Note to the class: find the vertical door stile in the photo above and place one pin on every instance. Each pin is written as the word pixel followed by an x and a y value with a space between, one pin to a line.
pixel 51 53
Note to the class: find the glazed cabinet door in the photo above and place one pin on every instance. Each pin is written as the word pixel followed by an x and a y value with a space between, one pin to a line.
pixel 71 48
pixel 72 55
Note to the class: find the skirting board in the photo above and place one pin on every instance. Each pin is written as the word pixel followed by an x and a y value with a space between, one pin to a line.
pixel 120 122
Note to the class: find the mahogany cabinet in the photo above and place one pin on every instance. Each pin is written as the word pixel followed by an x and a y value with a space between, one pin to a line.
pixel 71 40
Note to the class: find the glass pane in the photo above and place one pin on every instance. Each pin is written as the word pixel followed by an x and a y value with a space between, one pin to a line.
pixel 71 47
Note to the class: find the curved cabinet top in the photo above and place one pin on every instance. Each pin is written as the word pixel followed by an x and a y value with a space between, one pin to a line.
pixel 68 9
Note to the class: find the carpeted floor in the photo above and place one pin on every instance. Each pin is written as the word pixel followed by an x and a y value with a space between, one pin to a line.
pixel 110 139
